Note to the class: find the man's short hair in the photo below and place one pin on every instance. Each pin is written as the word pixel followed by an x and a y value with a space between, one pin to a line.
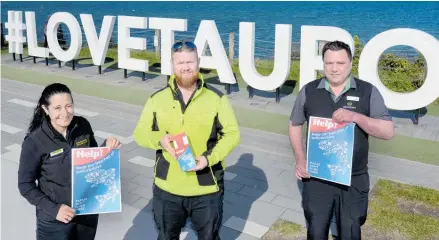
pixel 336 46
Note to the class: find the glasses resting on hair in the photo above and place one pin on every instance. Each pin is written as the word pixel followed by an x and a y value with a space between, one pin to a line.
pixel 179 45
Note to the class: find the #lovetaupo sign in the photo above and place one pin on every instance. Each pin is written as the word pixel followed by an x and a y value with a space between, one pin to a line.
pixel 208 36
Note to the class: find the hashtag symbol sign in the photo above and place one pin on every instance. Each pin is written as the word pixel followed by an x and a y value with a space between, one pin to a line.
pixel 15 28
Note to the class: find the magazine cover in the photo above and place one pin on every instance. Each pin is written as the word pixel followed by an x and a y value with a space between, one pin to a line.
pixel 183 152
pixel 96 180
pixel 330 149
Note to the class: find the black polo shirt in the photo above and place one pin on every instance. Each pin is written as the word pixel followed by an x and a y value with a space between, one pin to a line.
pixel 317 99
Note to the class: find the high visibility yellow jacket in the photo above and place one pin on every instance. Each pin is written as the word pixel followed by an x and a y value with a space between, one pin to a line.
pixel 210 124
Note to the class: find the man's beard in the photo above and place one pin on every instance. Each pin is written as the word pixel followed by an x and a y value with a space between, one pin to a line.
pixel 186 81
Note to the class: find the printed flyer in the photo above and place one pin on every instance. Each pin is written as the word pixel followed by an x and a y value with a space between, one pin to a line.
pixel 183 152
pixel 330 149
pixel 96 180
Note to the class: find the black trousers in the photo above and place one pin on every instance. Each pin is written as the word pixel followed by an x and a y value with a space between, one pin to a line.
pixel 321 199
pixel 80 228
pixel 171 212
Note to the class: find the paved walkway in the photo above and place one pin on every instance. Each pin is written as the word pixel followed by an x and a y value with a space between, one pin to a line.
pixel 260 184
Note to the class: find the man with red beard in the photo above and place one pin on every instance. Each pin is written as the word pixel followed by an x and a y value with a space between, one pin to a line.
pixel 187 104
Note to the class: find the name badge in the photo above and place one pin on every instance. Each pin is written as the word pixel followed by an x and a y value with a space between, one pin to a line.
pixel 82 142
pixel 56 152
pixel 353 98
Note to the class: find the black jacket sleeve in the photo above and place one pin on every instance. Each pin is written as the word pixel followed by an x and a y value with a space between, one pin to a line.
pixel 93 142
pixel 29 171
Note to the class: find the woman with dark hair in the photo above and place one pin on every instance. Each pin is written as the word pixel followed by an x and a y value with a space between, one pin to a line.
pixel 46 157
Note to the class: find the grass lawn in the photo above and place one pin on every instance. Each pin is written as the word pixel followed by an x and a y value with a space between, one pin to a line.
pixel 433 109
pixel 396 211
pixel 400 211
pixel 285 230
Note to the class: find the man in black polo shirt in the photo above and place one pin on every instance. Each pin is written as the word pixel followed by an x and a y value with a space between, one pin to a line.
pixel 344 99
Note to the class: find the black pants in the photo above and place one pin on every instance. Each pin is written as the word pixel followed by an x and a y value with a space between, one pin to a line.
pixel 321 199
pixel 80 228
pixel 171 213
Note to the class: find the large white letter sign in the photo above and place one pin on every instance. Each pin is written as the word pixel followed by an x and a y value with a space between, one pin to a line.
pixel 125 43
pixel 425 43
pixel 208 35
pixel 309 60
pixel 98 46
pixel 32 42
pixel 75 36
pixel 282 57
pixel 15 28
pixel 167 27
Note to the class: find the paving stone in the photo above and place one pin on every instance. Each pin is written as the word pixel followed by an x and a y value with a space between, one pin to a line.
pixel 256 194
pixel 138 169
pixel 6 141
pixel 145 192
pixel 14 147
pixel 105 135
pixel 229 233
pixel 255 172
pixel 254 183
pixel 293 216
pixel 126 148
pixel 293 204
pixel 128 185
pixel 229 176
pixel 245 226
pixel 10 129
pixel 142 152
pixel 12 156
pixel 259 212
pixel 232 186
pixel 237 198
pixel 142 161
pixel 127 174
pixel 143 180
pixel 129 198
pixel 144 204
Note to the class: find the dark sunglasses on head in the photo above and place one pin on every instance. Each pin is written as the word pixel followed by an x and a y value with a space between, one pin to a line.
pixel 179 45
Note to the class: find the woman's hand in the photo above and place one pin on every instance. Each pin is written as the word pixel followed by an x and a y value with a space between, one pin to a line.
pixel 112 143
pixel 65 214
